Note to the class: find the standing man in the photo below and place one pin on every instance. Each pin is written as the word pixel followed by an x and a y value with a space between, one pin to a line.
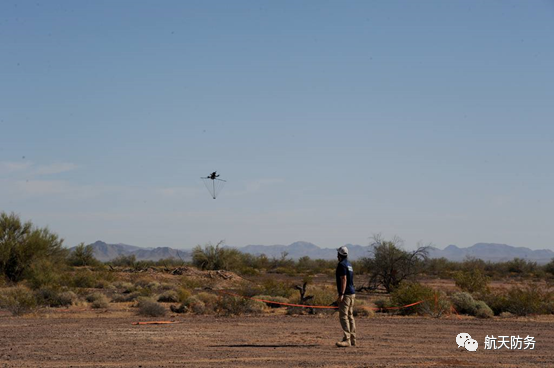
pixel 345 301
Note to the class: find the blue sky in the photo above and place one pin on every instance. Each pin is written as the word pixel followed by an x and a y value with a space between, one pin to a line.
pixel 331 120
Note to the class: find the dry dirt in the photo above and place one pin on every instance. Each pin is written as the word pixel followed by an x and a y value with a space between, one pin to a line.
pixel 80 338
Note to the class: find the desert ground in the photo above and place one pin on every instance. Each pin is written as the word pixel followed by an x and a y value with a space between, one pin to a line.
pixel 108 338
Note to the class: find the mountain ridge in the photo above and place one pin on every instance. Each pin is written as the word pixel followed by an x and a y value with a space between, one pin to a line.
pixel 486 251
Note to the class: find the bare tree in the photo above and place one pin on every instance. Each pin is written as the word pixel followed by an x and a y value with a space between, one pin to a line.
pixel 389 264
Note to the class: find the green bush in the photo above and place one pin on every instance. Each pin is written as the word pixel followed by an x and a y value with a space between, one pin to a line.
pixel 42 273
pixel 154 285
pixel 198 307
pixel 67 298
pixel 125 298
pixel 209 300
pixel 525 301
pixel 22 245
pixel 83 278
pixel 497 301
pixel 98 300
pixel 124 261
pixel 411 292
pixel 482 310
pixel 216 258
pixel 170 296
pixel 18 300
pixel 437 306
pixel 323 296
pixel 82 255
pixel 125 287
pixel 191 283
pixel 277 288
pixel 149 307
pixel 231 305
pixel 47 297
pixel 194 305
pixel 464 303
pixel 474 281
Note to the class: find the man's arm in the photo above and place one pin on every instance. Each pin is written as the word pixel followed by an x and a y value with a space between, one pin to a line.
pixel 342 288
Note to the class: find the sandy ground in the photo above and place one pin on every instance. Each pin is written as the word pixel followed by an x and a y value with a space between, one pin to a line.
pixel 108 339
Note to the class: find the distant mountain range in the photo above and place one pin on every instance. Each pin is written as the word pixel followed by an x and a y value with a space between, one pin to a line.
pixel 486 251
pixel 492 252
pixel 106 252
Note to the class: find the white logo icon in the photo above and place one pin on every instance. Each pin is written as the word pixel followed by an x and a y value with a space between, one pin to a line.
pixel 471 345
pixel 464 340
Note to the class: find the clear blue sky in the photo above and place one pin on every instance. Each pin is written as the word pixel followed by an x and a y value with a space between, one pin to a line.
pixel 331 120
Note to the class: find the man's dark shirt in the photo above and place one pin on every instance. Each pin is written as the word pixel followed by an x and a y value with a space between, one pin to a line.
pixel 344 268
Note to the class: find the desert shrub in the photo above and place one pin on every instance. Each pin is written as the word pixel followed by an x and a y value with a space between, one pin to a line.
pixel 474 281
pixel 22 245
pixel 549 267
pixel 191 283
pixel 198 307
pixel 233 305
pixel 43 273
pixel 54 297
pixel 525 301
pixel 189 303
pixel 549 307
pixel 210 300
pixel 98 300
pixel 83 278
pixel 255 307
pixel 215 257
pixel 277 288
pixel 125 287
pixel 183 294
pixel 18 300
pixel 170 296
pixel 103 284
pixel 145 291
pixel 506 315
pixel 125 298
pixel 464 303
pixel 363 311
pixel 124 261
pixel 67 298
pixel 497 301
pixel 382 304
pixel 293 311
pixel 149 307
pixel 47 296
pixel 167 286
pixel 482 310
pixel 521 266
pixel 249 271
pixel 411 292
pixel 278 299
pixel 390 265
pixel 154 285
pixel 323 296
pixel 82 255
pixel 437 306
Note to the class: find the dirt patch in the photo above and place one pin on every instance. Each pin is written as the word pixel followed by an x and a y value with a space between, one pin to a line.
pixel 108 339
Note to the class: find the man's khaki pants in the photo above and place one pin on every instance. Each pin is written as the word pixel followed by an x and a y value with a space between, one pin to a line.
pixel 346 315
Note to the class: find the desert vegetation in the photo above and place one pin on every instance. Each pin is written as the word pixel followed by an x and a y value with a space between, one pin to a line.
pixel 37 272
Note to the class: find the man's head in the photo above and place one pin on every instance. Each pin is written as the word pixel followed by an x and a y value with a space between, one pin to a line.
pixel 342 253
